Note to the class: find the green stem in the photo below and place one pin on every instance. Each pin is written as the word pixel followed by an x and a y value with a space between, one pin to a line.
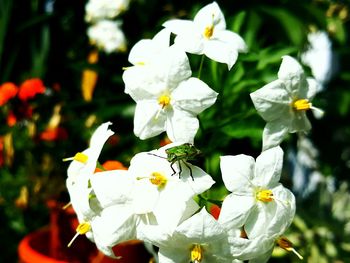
pixel 200 67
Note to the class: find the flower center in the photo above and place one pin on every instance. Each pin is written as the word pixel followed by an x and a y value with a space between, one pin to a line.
pixel 302 104
pixel 79 157
pixel 158 179
pixel 196 253
pixel 284 243
pixel 208 31
pixel 264 195
pixel 81 229
pixel 164 100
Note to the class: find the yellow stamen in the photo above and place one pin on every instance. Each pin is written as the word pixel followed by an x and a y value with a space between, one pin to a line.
pixel 164 100
pixel 302 104
pixel 196 253
pixel 284 243
pixel 208 31
pixel 264 195
pixel 79 157
pixel 155 178
pixel 81 229
pixel 158 179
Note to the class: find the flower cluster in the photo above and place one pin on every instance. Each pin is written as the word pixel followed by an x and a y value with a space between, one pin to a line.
pixel 21 108
pixel 105 32
pixel 154 200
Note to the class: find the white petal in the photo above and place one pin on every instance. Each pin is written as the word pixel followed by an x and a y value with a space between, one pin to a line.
pixel 291 73
pixel 300 123
pixel 208 15
pixel 232 39
pixel 171 205
pixel 112 187
pixel 181 126
pixel 246 249
pixel 174 67
pixel 188 38
pixel 193 95
pixel 201 227
pixel 274 133
pixel 220 52
pixel 115 224
pixel 272 101
pixel 268 168
pixel 149 119
pixel 145 50
pixel 201 180
pixel 235 210
pixel 237 172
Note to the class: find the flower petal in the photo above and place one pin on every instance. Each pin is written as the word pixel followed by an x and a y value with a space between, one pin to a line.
pixel 220 52
pixel 237 172
pixel 210 15
pixel 193 95
pixel 112 187
pixel 274 132
pixel 268 168
pixel 272 101
pixel 235 210
pixel 149 119
pixel 291 73
pixel 181 126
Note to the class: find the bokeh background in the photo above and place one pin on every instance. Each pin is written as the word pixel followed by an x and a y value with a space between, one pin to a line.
pixel 47 40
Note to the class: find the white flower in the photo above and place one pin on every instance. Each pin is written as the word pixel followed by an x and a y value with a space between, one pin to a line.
pixel 257 200
pixel 107 35
pixel 319 57
pixel 198 239
pixel 167 98
pixel 104 9
pixel 283 103
pixel 207 35
pixel 100 200
pixel 161 193
pixel 82 168
pixel 146 59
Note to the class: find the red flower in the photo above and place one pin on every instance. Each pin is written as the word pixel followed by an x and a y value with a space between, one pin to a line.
pixel 111 165
pixel 30 88
pixel 215 211
pixel 7 91
pixel 11 119
pixel 54 134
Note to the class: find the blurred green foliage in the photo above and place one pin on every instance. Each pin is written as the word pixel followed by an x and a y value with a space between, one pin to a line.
pixel 36 41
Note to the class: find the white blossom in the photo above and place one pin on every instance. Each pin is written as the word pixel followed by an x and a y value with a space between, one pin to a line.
pixel 107 35
pixel 207 34
pixel 167 98
pixel 283 103
pixel 104 9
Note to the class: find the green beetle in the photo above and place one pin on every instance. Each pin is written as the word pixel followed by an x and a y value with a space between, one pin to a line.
pixel 181 153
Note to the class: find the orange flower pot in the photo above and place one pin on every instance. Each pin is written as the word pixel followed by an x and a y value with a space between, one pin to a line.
pixel 49 244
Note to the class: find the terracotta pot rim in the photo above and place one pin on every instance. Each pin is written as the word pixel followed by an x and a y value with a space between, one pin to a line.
pixel 27 253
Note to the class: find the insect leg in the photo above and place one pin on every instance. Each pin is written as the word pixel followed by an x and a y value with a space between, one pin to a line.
pixel 172 168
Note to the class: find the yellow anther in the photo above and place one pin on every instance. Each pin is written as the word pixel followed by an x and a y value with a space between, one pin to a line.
pixel 302 104
pixel 284 243
pixel 81 229
pixel 164 100
pixel 158 179
pixel 264 195
pixel 79 157
pixel 208 31
pixel 196 253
